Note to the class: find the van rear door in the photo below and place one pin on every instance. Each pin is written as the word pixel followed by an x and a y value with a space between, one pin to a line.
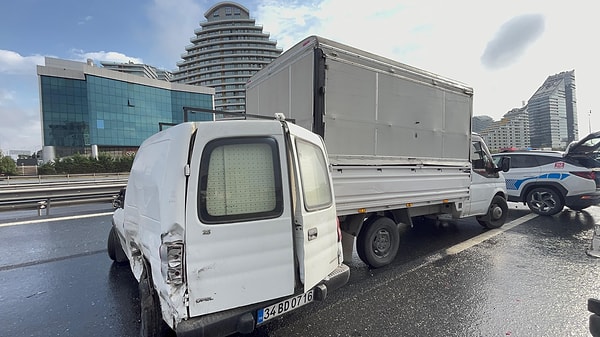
pixel 316 232
pixel 239 232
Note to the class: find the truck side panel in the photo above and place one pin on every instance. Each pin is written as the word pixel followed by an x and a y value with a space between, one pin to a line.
pixel 381 188
pixel 289 90
pixel 374 113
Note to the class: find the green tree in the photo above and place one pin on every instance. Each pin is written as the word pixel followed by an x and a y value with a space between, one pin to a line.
pixel 7 165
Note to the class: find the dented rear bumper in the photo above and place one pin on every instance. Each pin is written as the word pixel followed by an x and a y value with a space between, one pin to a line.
pixel 243 320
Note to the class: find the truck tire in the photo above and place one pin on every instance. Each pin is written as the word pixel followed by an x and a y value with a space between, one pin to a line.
pixel 113 246
pixel 544 201
pixel 497 213
pixel 377 244
pixel 151 321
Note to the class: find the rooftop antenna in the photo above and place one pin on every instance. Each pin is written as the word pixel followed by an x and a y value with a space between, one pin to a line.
pixel 590 121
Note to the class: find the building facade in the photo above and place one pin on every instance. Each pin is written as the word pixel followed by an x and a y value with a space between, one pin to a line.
pixel 143 70
pixel 553 112
pixel 480 123
pixel 511 132
pixel 83 106
pixel 226 51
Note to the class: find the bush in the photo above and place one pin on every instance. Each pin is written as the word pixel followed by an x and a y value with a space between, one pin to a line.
pixel 7 165
pixel 83 164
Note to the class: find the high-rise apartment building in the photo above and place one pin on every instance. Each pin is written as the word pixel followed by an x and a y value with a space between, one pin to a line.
pixel 553 112
pixel 511 132
pixel 227 50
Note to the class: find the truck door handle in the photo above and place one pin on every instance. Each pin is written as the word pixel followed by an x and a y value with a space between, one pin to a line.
pixel 312 234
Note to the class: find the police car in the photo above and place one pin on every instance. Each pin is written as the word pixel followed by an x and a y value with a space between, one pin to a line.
pixel 547 181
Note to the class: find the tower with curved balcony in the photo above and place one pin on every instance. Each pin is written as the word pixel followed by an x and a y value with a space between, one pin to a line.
pixel 226 51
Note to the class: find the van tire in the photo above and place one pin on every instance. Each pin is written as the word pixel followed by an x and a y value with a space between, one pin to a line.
pixel 544 201
pixel 151 321
pixel 497 213
pixel 377 244
pixel 114 248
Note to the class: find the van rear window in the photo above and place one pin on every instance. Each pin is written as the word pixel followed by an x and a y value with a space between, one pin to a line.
pixel 240 180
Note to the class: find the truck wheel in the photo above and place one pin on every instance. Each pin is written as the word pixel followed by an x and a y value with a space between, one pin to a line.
pixel 497 213
pixel 378 243
pixel 544 201
pixel 151 322
pixel 113 246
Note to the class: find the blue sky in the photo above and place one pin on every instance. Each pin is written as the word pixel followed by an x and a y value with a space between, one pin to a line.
pixel 503 49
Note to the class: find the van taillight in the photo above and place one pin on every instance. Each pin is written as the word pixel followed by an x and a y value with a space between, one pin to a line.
pixel 171 259
pixel 586 175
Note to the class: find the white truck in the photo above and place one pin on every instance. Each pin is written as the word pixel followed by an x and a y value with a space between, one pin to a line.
pixel 399 141
pixel 227 225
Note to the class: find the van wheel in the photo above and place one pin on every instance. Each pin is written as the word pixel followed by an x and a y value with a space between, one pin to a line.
pixel 113 246
pixel 151 322
pixel 377 244
pixel 497 213
pixel 544 201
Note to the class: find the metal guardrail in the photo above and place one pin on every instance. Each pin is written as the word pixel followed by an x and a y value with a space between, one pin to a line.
pixel 43 196
pixel 63 178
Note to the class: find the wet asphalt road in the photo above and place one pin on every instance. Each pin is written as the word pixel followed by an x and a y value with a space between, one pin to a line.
pixel 457 280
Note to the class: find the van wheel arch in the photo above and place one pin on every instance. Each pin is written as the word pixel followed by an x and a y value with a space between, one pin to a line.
pixel 114 248
pixel 151 320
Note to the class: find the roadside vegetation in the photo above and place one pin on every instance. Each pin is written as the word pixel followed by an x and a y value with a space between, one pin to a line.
pixel 7 165
pixel 78 163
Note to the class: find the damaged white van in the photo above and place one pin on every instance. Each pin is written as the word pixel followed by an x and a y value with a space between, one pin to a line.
pixel 227 225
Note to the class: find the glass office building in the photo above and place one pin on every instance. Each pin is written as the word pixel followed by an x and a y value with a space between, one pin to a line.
pixel 553 112
pixel 83 105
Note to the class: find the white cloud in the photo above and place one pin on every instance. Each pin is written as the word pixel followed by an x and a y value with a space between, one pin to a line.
pixel 85 20
pixel 21 127
pixel 13 63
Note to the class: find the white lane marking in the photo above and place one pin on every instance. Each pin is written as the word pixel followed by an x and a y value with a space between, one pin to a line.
pixel 488 235
pixel 73 217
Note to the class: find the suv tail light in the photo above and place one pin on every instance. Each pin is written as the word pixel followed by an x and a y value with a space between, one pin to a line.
pixel 586 175
pixel 339 230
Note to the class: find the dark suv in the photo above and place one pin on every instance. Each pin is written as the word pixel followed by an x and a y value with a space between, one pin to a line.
pixel 549 180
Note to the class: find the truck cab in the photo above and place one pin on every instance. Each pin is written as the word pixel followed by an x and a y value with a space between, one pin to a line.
pixel 487 198
pixel 227 225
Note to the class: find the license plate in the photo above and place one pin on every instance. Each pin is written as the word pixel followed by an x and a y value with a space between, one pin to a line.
pixel 284 306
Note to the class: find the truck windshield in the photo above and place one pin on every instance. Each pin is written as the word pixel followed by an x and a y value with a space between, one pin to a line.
pixel 314 176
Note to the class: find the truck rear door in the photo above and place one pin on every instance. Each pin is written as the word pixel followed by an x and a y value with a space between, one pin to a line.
pixel 239 232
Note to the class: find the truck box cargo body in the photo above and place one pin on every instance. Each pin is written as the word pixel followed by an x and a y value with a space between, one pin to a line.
pixel 227 225
pixel 398 138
